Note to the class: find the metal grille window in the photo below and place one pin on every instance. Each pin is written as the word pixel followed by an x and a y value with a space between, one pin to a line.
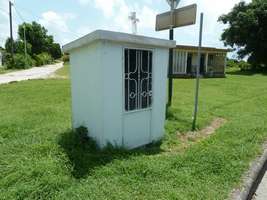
pixel 138 79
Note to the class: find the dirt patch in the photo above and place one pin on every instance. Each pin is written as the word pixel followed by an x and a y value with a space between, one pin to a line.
pixel 203 133
pixel 191 137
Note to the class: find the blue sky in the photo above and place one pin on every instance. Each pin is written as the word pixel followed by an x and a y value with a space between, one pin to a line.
pixel 67 20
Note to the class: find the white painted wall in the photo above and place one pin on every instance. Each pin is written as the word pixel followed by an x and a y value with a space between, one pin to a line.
pixel 161 59
pixel 97 80
pixel 87 90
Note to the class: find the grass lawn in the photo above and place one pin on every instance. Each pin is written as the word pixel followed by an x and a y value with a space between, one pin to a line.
pixel 63 72
pixel 40 158
pixel 3 70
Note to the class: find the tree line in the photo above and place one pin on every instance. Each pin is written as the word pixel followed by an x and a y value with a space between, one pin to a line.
pixel 247 32
pixel 40 47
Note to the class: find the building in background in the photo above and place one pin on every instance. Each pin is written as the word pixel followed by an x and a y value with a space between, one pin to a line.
pixel 212 64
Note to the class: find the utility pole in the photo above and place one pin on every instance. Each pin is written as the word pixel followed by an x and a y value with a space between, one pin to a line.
pixel 25 43
pixel 11 31
pixel 197 72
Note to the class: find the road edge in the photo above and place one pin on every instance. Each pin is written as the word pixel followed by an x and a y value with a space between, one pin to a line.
pixel 252 178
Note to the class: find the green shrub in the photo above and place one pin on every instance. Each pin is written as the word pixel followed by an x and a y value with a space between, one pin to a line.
pixel 19 62
pixel 6 58
pixel 244 66
pixel 231 63
pixel 43 59
pixel 66 58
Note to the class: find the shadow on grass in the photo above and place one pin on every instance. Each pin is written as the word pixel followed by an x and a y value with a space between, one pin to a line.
pixel 172 114
pixel 84 155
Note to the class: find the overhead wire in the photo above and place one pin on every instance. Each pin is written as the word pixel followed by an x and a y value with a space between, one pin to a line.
pixel 18 14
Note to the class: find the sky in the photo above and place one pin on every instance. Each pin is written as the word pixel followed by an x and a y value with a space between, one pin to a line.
pixel 67 20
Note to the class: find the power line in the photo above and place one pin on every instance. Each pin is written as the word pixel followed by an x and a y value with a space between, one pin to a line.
pixel 24 30
pixel 27 10
pixel 18 13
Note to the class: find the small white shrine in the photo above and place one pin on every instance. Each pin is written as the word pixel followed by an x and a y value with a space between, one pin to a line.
pixel 118 84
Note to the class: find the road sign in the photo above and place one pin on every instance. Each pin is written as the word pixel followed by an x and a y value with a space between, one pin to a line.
pixel 181 17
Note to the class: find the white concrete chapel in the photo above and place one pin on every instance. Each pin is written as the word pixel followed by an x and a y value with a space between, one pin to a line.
pixel 118 84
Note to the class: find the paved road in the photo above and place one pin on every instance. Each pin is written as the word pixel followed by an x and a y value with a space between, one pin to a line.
pixel 33 73
pixel 261 193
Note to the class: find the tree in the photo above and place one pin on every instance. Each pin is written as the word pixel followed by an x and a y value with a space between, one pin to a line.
pixel 19 46
pixel 248 31
pixel 55 50
pixel 41 42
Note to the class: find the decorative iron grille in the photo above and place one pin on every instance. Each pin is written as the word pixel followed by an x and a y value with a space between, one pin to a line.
pixel 138 79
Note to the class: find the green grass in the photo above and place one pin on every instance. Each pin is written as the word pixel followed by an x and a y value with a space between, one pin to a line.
pixel 40 158
pixel 64 71
pixel 3 70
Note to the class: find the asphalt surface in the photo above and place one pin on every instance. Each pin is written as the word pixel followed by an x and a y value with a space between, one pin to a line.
pixel 32 73
pixel 261 193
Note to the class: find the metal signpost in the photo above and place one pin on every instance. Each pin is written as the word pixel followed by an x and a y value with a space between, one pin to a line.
pixel 170 20
pixel 197 72
pixel 181 17
pixel 170 83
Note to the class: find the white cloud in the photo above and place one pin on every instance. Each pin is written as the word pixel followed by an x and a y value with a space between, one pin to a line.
pixel 116 13
pixel 121 15
pixel 115 17
pixel 147 17
pixel 56 20
pixel 84 2
pixel 56 23
pixel 83 30
pixel 108 7
pixel 212 29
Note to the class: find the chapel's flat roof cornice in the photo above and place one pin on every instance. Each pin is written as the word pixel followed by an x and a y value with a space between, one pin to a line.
pixel 118 37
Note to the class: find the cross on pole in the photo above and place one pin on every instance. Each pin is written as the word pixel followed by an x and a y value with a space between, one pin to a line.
pixel 134 21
